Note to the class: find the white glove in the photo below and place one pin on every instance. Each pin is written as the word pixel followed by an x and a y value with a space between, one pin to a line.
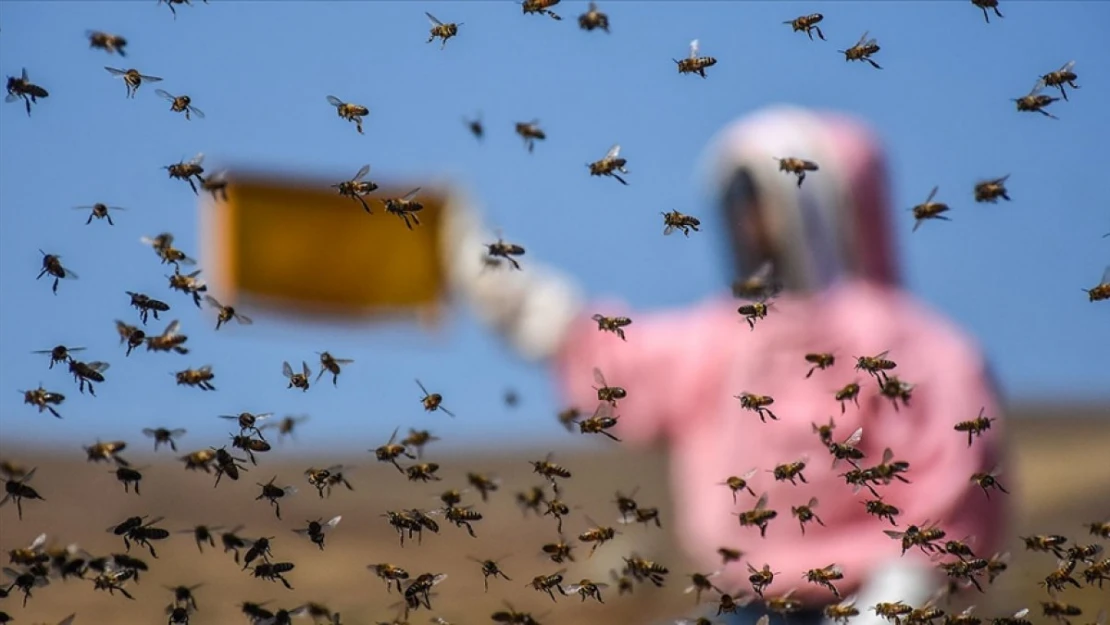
pixel 902 579
pixel 532 308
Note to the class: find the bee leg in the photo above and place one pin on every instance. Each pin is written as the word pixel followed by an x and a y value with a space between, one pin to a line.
pixel 194 187
pixel 819 33
pixel 986 16
pixel 55 287
pixel 27 104
pixel 874 64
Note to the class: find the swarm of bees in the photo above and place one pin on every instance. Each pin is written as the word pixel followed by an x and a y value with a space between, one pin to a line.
pixel 34 567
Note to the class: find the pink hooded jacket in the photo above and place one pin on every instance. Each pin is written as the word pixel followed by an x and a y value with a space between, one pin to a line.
pixel 683 369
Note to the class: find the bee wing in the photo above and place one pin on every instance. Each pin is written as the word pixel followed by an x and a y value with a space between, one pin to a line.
pixel 855 438
pixel 1106 276
pixel 765 619
pixel 762 503
pixel 862 38
pixel 604 410
pixel 334 101
pixel 39 541
pixel 694 46
pixel 162 93
pixel 433 19
pixel 68 620
pixel 171 330
pixel 1066 67
pixel 198 159
pixel 896 535
pixel 932 194
pixel 286 369
pixel 149 432
pixel 424 390
pixel 111 70
pixel 333 522
pixel 847 603
pixel 614 151
pixel 98 366
pixel 305 370
pixel 150 78
pixel 888 455
pixel 1037 86
pixel 199 113
pixel 751 473
pixel 599 377
pixel 177 432
pixel 361 173
pixel 1021 613
pixel 574 587
pixel 411 194
pixel 243 319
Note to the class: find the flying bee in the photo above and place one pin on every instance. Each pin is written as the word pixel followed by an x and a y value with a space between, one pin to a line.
pixel 929 210
pixel 250 445
pixel 759 285
pixel 862 51
pixel 997 565
pixel 226 313
pixel 808 23
pixel 331 364
pixel 549 583
pixel 315 530
pixel 99 211
pixel 926 614
pixel 132 79
pixel 16 489
pixel 490 569
pixel 112 44
pixel 848 450
pixel 188 284
pixel 702 582
pixel 791 470
pixel 1099 528
pixel 1058 580
pixel 169 340
pixel 297 380
pixel 22 87
pixel 1035 101
pixel 739 483
pixel 539 7
pixel 142 533
pixel 877 365
pixel 967 570
pixel 796 166
pixel 605 392
pixel 325 479
pixel 106 452
pixel 348 111
pixel 615 325
pixel 783 604
pixel 850 392
pixel 976 426
pixel 601 421
pixel 987 481
pixel 1059 78
pixel 959 548
pixel 273 494
pixel 896 391
pixel 200 378
pixel 1097 293
pixel 675 220
pixel 754 312
pixel 392 575
pixel 609 164
pixel 531 499
pixel 597 534
pixel 187 170
pixel 59 353
pixel 390 451
pixel 820 360
pixel 162 245
pixel 273 571
pixel 462 517
pixel 530 131
pixel 423 472
pixel 645 516
pixel 356 187
pixel 441 30
pixel 759 516
pixel 147 305
pixel 475 126
pixel 921 537
pixel 965 617
pixel 558 552
pixel 694 64
pixel 178 615
pixel 889 469
pixel 841 612
pixel 626 505
pixel 52 265
pixel 642 569
pixel 417 592
pixel 568 417
pixel 892 611
pixel 503 249
pixel 129 477
pixel 1060 611
pixel 86 373
pixel 203 534
pixel 130 334
pixel 805 514
pixel 1084 553
pixel 483 484
pixel 824 577
pixel 112 578
pixel 991 190
pixel 405 208
pixel 226 464
pixel 433 401
pixel 593 18
pixel 31 554
pixel 1097 573
pixel 550 470
pixel 558 509
pixel 987 4
pixel 757 404
pixel 760 578
pixel 881 510
pixel 587 589
pixel 199 460
pixel 180 104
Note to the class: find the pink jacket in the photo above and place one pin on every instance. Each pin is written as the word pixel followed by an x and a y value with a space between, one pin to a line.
pixel 682 370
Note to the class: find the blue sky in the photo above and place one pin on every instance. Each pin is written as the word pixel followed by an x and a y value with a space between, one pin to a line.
pixel 1010 273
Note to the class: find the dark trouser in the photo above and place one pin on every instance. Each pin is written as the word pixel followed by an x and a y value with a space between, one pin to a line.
pixel 750 614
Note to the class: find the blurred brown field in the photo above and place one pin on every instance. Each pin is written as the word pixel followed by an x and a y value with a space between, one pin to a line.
pixel 1059 469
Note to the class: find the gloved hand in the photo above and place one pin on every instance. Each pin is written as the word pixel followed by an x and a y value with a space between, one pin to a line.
pixel 902 579
pixel 532 308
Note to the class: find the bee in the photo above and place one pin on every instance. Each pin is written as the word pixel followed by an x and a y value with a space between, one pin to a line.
pixel 146 305
pixel 16 489
pixel 997 565
pixel 169 340
pixel 791 470
pixel 113 578
pixel 558 552
pixel 921 537
pixel 850 392
pixel 31 554
pixel 626 505
pixel 824 577
pixel 929 210
pixel 926 614
pixel 841 612
pixel 59 353
pixel 808 23
pixel 129 476
pixel 642 569
pixel 330 364
pixel 423 472
pixel 1099 528
pixel 462 517
pixel 783 604
pixel 601 421
pixel 112 44
pixel 694 64
pixel 549 583
pixel 203 534
pixel 141 532
pixel 170 3
pixel 882 510
pixel 349 111
pixel 877 365
pixel 512 617
pixel 1035 101
pixel 483 484
pixel 597 534
pixel 1084 553
pixel 22 87
pixel 99 211
pixel 392 575
pixel 187 170
pixel 754 311
pixel 390 451
pixel 968 570
pixel 530 132
pixel 987 481
pixel 587 589
pixel 100 451
pixel 216 185
pixel 897 391
pixel 200 378
pixel 558 509
pixel 702 582
pixel 959 548
pixel 501 249
pixel 568 417
pixel 250 445
pixel 757 404
pixel 433 401
pixel 1057 580
pixel 132 79
pixel 188 284
pixel 540 7
pixel 183 596
pixel 987 4
pixel 605 392
pixel 417 592
pixel 356 187
pixel 531 499
pixel 991 190
pixel 805 514
pixel 180 104
pixel 315 530
pixel 1097 573
pixel 441 30
pixel 405 208
pixel 976 426
pixel 759 285
pixel 52 265
pixel 162 245
pixel 274 494
pixel 1060 611
pixel 892 611
pixel 475 126
pixel 1097 293
pixel 796 166
pixel 490 568
pixel 226 464
pixel 761 578
pixel 819 360
pixel 848 450
pixel 739 483
pixel 593 18
pixel 1059 78
pixel 550 470
pixel 226 313
pixel 198 460
pixel 862 51
pixel 273 571
pixel 86 373
pixel 759 516
pixel 327 478
pixel 609 164
pixel 623 582
pixel 963 618
pixel 645 516
pixel 297 380
pixel 130 334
